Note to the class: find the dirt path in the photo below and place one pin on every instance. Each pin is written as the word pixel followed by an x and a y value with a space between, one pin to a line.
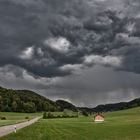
pixel 4 130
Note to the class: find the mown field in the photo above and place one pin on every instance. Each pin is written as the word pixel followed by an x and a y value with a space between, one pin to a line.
pixel 121 125
pixel 12 118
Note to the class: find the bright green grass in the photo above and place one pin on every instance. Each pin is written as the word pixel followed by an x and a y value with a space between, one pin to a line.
pixel 121 125
pixel 12 118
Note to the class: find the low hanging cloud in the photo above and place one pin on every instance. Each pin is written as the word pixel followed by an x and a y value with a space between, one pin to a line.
pixel 107 60
pixel 97 85
pixel 56 39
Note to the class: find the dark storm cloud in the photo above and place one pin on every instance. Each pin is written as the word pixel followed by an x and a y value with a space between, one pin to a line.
pixel 41 40
pixel 26 24
pixel 88 30
pixel 96 86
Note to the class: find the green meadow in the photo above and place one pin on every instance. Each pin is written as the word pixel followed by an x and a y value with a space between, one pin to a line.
pixel 120 125
pixel 12 118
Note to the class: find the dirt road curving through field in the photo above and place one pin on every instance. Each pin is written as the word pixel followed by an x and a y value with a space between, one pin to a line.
pixel 4 130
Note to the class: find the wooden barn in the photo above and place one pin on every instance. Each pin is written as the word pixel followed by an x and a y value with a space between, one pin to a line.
pixel 99 118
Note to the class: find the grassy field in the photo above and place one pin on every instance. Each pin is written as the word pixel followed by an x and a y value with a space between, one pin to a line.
pixel 12 118
pixel 68 112
pixel 121 125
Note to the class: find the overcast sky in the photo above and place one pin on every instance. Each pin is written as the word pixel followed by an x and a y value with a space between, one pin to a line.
pixel 83 51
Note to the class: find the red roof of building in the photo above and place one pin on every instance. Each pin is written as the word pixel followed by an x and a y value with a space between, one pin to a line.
pixel 98 115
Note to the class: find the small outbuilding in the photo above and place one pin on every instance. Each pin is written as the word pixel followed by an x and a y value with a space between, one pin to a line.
pixel 99 118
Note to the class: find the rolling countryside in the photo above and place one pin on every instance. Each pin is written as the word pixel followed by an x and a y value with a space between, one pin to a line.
pixel 118 125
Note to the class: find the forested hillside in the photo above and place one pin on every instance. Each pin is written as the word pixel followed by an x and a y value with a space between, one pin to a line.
pixel 29 101
pixel 66 105
pixel 24 101
pixel 117 106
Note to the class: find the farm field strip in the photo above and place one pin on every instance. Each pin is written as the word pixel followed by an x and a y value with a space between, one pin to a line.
pixel 117 126
pixel 14 118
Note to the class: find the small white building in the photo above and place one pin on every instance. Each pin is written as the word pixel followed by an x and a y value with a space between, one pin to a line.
pixel 99 118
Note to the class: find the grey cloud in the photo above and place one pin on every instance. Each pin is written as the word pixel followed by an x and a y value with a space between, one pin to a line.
pixel 96 86
pixel 89 31
pixel 78 29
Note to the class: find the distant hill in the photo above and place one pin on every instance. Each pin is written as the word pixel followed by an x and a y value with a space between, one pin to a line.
pixel 117 106
pixel 109 107
pixel 29 101
pixel 66 105
pixel 100 108
pixel 24 101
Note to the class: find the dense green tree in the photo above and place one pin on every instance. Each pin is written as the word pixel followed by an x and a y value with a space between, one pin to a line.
pixel 6 108
pixel 44 115
pixel 84 113
pixel 14 106
pixel 50 115
pixel 29 107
